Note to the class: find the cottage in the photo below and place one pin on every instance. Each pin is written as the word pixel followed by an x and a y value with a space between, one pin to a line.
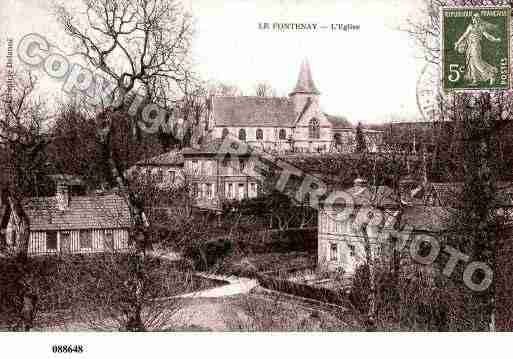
pixel 75 224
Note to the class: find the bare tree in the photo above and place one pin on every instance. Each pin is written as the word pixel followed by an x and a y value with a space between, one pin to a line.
pixel 475 156
pixel 264 89
pixel 224 89
pixel 137 44
pixel 22 142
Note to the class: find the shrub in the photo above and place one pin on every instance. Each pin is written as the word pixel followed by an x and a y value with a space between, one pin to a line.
pixel 206 254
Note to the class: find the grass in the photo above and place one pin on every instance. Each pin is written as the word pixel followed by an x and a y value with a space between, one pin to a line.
pixel 64 284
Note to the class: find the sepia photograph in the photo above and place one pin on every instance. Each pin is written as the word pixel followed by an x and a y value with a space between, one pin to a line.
pixel 192 168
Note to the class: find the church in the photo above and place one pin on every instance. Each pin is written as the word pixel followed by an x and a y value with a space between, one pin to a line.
pixel 286 124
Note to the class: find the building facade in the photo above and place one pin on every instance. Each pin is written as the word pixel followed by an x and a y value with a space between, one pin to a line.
pixel 214 179
pixel 286 124
pixel 66 224
pixel 165 170
pixel 425 208
pixel 209 178
pixel 341 242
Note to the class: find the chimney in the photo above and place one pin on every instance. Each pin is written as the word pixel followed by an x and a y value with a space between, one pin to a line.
pixel 62 196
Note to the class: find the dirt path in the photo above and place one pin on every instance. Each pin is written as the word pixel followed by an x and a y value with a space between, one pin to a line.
pixel 236 286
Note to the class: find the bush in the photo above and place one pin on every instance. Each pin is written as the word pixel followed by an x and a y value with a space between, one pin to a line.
pixel 411 301
pixel 206 254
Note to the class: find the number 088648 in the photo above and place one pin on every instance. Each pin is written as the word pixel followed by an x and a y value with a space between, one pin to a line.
pixel 67 349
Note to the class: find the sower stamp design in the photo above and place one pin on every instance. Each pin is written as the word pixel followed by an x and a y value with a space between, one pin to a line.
pixel 476 48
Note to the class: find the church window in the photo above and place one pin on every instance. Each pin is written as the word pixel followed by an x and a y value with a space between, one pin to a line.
pixel 259 134
pixel 242 134
pixel 225 133
pixel 314 129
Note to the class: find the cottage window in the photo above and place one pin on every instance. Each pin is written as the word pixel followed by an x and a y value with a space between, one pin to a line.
pixel 242 134
pixel 253 188
pixel 241 191
pixel 282 134
pixel 337 138
pixel 259 134
pixel 108 239
pixel 333 252
pixel 65 241
pixel 314 129
pixel 160 175
pixel 86 239
pixel 51 240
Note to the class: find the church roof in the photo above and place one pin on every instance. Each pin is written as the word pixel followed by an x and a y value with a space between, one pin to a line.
pixel 253 111
pixel 338 122
pixel 305 82
pixel 171 158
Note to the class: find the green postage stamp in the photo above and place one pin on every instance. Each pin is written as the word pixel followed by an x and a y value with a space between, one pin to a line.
pixel 475 49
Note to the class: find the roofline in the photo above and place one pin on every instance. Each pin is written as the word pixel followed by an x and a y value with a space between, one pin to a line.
pixel 255 97
pixel 305 93
pixel 200 153
pixel 263 126
pixel 77 229
pixel 158 164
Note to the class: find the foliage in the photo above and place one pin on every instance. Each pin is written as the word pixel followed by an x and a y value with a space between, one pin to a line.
pixel 97 289
pixel 205 255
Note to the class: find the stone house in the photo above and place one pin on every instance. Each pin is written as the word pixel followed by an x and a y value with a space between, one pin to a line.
pixel 166 170
pixel 425 207
pixel 214 179
pixel 211 179
pixel 340 242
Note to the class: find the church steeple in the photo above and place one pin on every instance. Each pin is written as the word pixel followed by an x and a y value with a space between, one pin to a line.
pixel 305 84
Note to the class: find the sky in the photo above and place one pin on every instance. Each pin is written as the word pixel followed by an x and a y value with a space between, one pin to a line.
pixel 367 75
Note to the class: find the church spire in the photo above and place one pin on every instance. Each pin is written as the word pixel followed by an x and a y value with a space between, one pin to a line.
pixel 305 84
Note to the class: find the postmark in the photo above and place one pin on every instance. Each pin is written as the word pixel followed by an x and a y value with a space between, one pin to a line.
pixel 475 49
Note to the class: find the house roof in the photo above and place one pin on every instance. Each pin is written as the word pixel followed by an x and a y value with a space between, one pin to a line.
pixel 338 122
pixel 305 84
pixel 70 180
pixel 364 195
pixel 426 218
pixel 380 196
pixel 448 194
pixel 210 147
pixel 171 158
pixel 253 111
pixel 92 212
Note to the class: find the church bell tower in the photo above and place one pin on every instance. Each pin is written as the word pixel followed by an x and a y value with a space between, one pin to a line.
pixel 305 89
